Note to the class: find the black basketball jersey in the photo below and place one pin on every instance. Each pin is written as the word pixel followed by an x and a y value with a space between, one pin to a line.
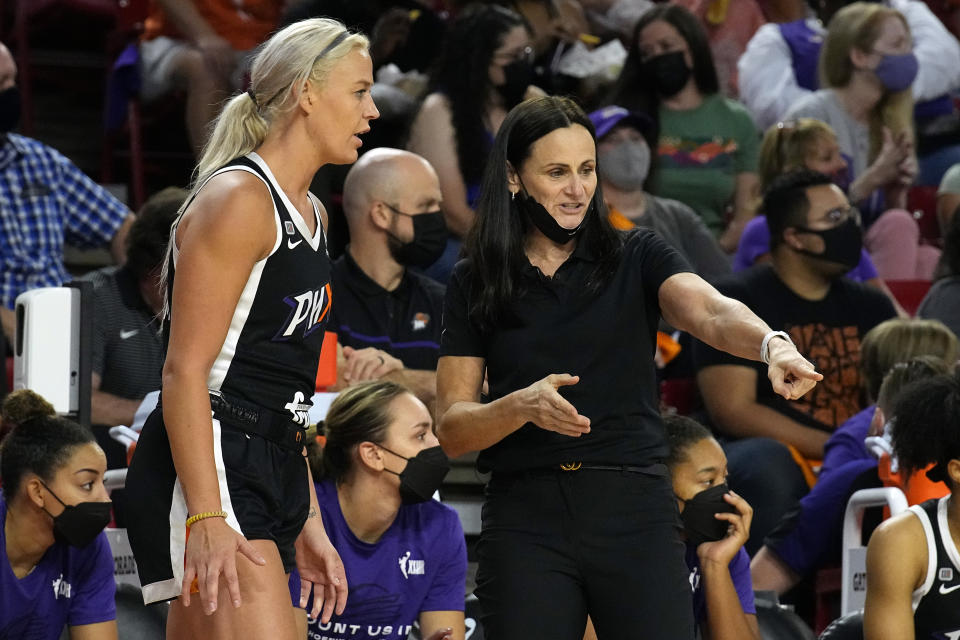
pixel 272 348
pixel 936 604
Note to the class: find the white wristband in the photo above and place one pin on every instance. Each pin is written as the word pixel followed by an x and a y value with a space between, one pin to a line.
pixel 765 345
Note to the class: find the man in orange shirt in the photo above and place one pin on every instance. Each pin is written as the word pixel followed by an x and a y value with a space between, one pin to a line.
pixel 199 46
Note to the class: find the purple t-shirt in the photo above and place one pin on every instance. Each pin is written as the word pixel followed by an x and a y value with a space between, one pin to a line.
pixel 755 241
pixel 739 573
pixel 419 564
pixel 68 587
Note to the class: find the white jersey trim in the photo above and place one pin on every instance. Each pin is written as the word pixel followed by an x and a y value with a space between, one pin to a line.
pixel 298 221
pixel 924 589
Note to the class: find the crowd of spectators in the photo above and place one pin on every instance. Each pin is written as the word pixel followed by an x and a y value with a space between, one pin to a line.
pixel 775 145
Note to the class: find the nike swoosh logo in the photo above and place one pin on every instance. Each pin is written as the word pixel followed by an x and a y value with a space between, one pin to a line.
pixel 128 334
pixel 944 589
pixel 293 245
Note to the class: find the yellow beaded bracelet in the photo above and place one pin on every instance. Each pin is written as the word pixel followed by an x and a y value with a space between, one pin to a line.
pixel 197 517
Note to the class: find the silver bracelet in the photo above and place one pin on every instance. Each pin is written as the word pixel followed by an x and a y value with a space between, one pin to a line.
pixel 765 345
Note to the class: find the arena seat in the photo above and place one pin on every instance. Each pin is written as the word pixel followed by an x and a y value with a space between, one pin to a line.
pixel 909 293
pixel 778 622
pixel 848 627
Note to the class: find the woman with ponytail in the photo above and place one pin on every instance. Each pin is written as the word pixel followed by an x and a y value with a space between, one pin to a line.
pixel 403 552
pixel 55 564
pixel 913 564
pixel 223 506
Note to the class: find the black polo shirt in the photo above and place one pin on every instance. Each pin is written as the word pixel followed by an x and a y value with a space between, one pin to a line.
pixel 404 322
pixel 127 346
pixel 558 326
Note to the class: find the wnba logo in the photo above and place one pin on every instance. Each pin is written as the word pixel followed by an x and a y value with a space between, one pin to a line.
pixel 309 309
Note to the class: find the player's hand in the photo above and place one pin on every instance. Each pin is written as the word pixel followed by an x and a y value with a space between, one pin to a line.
pixel 790 373
pixel 321 571
pixel 212 549
pixel 723 551
pixel 441 634
pixel 543 405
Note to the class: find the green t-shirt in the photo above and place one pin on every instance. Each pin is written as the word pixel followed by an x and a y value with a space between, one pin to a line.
pixel 701 151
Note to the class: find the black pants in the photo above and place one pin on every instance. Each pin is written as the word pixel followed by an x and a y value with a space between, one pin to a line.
pixel 557 546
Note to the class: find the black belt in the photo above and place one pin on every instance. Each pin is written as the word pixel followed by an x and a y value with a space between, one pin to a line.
pixel 655 469
pixel 249 418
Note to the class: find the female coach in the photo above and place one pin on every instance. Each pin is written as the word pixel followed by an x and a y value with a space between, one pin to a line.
pixel 560 312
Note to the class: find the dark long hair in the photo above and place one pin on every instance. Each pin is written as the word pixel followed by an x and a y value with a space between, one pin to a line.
pixel 495 244
pixel 38 440
pixel 634 89
pixel 462 75
pixel 927 425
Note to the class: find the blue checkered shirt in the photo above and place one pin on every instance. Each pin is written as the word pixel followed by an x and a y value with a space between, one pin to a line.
pixel 45 200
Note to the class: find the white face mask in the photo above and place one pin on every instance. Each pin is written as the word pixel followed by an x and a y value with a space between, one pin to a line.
pixel 626 165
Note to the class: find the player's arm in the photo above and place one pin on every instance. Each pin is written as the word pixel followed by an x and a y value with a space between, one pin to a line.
pixel 896 566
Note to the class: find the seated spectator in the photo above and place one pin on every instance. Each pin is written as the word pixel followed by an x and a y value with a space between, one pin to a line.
pixel 201 47
pixel 730 24
pixel 45 201
pixel 404 554
pixel 707 144
pixel 809 536
pixel 894 238
pixel 53 511
pixel 779 66
pixel 387 316
pixel 948 197
pixel 867 67
pixel 815 238
pixel 716 524
pixel 912 575
pixel 942 302
pixel 485 70
pixel 623 156
pixel 127 345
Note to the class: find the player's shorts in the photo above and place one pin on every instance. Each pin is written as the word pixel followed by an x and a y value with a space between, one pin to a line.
pixel 264 488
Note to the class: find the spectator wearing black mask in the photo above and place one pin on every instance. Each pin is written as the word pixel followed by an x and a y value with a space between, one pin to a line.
pixel 485 70
pixel 387 316
pixel 815 237
pixel 706 149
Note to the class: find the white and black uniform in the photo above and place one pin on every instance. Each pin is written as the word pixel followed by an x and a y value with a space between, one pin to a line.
pixel 936 604
pixel 260 388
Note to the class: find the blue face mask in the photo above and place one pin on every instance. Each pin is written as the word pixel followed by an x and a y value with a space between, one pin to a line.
pixel 897 72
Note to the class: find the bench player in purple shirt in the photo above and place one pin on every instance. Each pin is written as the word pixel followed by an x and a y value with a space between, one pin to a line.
pixel 404 554
pixel 55 564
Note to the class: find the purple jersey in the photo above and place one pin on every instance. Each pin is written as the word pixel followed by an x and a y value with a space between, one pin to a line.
pixel 419 564
pixel 739 573
pixel 68 587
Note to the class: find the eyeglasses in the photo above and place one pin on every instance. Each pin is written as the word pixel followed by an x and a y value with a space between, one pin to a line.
pixel 506 57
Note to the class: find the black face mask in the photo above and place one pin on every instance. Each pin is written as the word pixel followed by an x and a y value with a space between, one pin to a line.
pixel 423 474
pixel 429 239
pixel 697 515
pixel 842 244
pixel 79 524
pixel 542 220
pixel 9 109
pixel 669 73
pixel 518 75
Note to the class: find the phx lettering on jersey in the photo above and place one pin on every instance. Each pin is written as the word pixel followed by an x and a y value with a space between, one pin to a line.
pixel 309 310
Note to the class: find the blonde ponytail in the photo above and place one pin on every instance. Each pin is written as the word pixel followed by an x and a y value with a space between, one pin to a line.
pixel 305 50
